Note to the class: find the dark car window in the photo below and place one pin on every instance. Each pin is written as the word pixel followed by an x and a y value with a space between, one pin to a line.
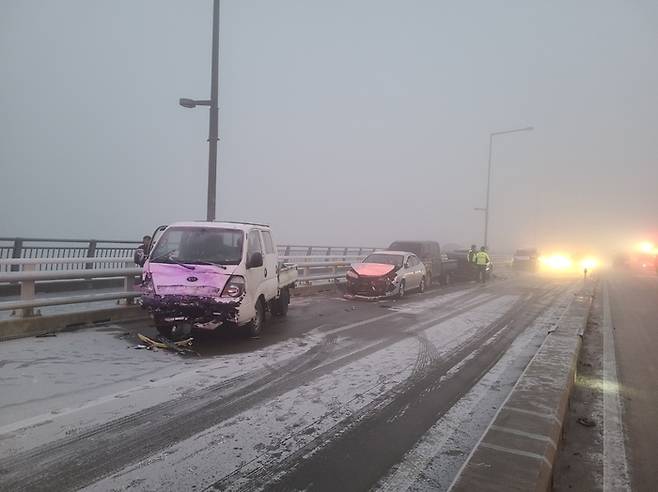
pixel 422 249
pixel 410 246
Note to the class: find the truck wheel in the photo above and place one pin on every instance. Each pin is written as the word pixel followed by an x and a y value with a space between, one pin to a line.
pixel 255 326
pixel 279 307
pixel 421 287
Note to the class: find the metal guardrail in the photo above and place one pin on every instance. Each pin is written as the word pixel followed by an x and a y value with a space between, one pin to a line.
pixel 31 274
pixel 47 248
pixel 110 249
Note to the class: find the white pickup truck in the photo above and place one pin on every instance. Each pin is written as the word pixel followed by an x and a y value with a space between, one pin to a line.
pixel 203 275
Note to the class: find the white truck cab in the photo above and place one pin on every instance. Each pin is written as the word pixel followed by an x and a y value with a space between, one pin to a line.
pixel 206 274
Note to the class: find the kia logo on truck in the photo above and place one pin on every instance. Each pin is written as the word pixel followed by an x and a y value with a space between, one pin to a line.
pixel 192 279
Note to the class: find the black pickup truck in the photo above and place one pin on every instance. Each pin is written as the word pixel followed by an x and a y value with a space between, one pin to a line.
pixel 438 266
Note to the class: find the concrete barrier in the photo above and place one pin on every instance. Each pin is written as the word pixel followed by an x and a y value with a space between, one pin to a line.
pixel 519 448
pixel 39 325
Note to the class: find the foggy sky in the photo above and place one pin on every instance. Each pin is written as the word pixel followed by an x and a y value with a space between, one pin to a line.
pixel 341 122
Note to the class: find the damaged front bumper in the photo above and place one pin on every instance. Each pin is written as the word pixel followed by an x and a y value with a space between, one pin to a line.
pixel 372 288
pixel 201 312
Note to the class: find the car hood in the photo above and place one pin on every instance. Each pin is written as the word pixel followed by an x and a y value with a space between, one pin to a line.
pixel 203 281
pixel 372 269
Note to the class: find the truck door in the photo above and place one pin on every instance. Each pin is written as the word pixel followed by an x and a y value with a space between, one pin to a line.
pixel 271 262
pixel 255 276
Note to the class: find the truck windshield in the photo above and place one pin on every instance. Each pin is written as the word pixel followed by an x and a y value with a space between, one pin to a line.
pixel 395 260
pixel 199 245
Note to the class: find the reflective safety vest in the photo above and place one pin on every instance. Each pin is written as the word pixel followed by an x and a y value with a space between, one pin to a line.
pixel 482 258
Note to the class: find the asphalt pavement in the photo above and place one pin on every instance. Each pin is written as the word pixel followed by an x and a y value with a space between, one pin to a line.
pixel 340 395
pixel 633 299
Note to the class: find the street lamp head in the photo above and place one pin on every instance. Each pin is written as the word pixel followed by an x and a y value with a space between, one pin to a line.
pixel 187 103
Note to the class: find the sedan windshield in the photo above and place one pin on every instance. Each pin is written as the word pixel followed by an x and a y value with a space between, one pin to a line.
pixel 199 245
pixel 395 260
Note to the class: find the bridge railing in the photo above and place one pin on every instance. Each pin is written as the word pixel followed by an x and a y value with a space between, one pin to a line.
pixel 110 250
pixel 55 249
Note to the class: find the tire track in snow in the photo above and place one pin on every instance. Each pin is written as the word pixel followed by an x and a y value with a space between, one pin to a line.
pixel 357 452
pixel 364 366
pixel 77 460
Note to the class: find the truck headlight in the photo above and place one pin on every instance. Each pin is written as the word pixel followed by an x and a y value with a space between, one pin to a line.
pixel 147 284
pixel 234 287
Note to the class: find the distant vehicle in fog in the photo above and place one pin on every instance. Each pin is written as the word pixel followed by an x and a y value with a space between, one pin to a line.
pixel 439 267
pixel 621 260
pixel 385 274
pixel 526 259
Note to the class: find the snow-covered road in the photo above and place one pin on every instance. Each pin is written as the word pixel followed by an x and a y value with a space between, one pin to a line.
pixel 342 395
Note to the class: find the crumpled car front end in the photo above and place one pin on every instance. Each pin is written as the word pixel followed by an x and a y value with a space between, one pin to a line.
pixel 206 298
pixel 372 280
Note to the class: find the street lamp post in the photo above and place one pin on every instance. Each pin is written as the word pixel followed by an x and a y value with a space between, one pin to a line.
pixel 486 208
pixel 213 130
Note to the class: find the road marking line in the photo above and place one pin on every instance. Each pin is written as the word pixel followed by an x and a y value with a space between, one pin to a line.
pixel 529 435
pixel 517 452
pixel 615 464
pixel 537 414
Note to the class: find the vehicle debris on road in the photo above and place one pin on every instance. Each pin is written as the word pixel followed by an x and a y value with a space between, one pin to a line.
pixel 180 346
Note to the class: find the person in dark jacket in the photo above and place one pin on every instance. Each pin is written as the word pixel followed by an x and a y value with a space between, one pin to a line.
pixel 471 253
pixel 142 251
pixel 471 262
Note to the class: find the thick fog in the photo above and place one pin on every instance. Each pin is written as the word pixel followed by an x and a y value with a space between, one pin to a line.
pixel 341 122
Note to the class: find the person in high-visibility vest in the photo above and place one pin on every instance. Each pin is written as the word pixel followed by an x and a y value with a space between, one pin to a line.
pixel 482 261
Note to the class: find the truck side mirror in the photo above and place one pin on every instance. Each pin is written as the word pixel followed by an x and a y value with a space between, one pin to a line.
pixel 255 261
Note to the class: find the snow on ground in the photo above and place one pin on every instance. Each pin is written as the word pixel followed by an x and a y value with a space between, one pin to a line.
pixel 430 303
pixel 276 428
pixel 102 373
pixel 434 461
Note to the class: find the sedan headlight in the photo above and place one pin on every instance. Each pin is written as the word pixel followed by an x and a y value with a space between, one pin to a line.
pixel 351 274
